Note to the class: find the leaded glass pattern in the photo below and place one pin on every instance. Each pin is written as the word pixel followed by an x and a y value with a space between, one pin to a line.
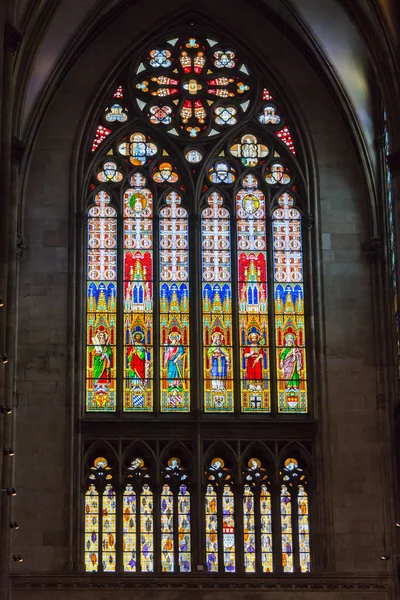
pixel 287 531
pixel 92 529
pixel 211 514
pixel 146 537
pixel 252 297
pixel 289 307
pixel 249 530
pixel 217 306
pixel 129 529
pixel 184 533
pixel 304 529
pixel 266 530
pixel 109 528
pixel 228 539
pixel 167 529
pixel 101 305
pixel 174 306
pixel 138 295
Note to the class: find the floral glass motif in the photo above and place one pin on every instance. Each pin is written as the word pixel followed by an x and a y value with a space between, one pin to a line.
pixel 160 115
pixel 116 114
pixel 100 136
pixel 165 173
pixel 289 307
pixel 193 78
pixel 174 306
pixel 225 115
pixel 249 150
pixel 101 305
pixel 217 306
pixel 252 297
pixel 92 529
pixel 222 172
pixel 138 296
pixel 110 173
pixel 138 148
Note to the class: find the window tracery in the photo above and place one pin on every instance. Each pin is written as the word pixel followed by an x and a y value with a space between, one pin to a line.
pixel 195 311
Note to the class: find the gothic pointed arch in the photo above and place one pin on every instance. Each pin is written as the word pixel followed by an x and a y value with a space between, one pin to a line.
pixel 196 321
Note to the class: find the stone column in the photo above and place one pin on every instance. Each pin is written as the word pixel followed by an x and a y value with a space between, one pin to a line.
pixel 8 194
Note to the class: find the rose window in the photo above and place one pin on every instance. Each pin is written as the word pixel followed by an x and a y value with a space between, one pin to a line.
pixel 192 87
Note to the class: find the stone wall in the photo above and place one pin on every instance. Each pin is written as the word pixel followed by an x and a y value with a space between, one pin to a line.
pixel 350 446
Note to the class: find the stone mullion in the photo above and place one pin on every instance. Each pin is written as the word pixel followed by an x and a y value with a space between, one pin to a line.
pixel 220 530
pixel 239 535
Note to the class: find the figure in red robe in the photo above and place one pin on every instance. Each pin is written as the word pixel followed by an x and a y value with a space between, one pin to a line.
pixel 254 356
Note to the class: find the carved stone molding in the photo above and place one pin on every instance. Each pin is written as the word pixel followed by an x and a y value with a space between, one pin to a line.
pixel 17 150
pixel 22 245
pixel 114 582
pixel 12 38
pixel 373 248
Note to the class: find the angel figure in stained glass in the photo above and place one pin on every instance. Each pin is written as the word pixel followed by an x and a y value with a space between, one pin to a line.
pixel 101 361
pixel 220 361
pixel 291 364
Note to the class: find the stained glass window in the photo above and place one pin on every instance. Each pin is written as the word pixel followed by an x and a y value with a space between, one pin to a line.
pixel 257 518
pixel 174 306
pixel 196 310
pixel 101 305
pixel 289 307
pixel 100 518
pixel 138 295
pixel 217 306
pixel 92 529
pixel 252 296
pixel 167 529
pixel 129 528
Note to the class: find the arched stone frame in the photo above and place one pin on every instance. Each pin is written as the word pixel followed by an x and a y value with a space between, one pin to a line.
pixel 164 141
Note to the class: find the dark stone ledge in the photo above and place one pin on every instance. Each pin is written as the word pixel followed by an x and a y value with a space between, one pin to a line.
pixel 113 581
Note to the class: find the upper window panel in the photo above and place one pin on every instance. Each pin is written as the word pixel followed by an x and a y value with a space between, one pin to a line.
pixel 193 87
